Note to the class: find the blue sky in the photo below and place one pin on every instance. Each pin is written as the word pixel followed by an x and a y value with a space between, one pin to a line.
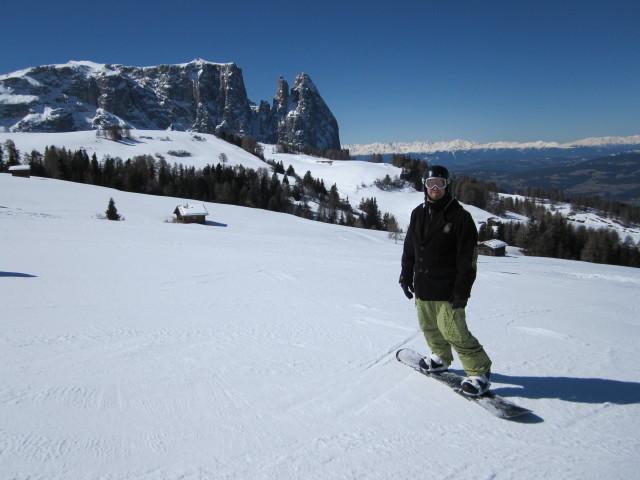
pixel 390 71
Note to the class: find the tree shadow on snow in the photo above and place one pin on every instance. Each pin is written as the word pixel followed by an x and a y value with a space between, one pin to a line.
pixel 16 274
pixel 580 390
pixel 211 223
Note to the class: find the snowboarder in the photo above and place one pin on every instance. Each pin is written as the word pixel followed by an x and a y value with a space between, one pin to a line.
pixel 439 266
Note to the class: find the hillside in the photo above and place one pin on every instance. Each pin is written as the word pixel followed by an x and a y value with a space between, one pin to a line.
pixel 354 179
pixel 262 345
pixel 615 177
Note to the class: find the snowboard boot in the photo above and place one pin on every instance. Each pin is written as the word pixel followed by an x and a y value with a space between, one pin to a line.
pixel 433 364
pixel 476 386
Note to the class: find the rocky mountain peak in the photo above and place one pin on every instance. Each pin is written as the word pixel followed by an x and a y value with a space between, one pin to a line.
pixel 198 96
pixel 281 100
pixel 303 82
pixel 309 105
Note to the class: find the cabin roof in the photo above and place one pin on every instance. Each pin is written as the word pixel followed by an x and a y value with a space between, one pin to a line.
pixel 192 209
pixel 495 244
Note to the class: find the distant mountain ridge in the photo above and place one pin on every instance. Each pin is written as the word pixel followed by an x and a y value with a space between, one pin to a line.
pixel 608 167
pixel 426 147
pixel 198 96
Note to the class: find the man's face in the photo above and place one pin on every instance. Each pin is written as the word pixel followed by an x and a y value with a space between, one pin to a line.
pixel 436 187
pixel 435 194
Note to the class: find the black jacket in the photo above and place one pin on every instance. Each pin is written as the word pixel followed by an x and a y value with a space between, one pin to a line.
pixel 440 250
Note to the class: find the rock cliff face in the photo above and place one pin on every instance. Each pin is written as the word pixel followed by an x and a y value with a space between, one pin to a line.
pixel 299 113
pixel 198 96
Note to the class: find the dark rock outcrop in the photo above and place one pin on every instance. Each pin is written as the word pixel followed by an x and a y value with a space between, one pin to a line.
pixel 198 96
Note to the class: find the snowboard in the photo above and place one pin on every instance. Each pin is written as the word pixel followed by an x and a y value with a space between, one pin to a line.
pixel 491 402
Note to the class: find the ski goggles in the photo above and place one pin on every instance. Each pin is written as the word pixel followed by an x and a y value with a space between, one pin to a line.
pixel 435 182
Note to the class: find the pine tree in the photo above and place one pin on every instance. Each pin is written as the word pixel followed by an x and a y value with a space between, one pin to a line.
pixel 482 233
pixel 12 153
pixel 112 211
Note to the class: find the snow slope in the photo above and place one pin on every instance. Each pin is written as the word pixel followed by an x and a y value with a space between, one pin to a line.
pixel 203 149
pixel 355 179
pixel 261 346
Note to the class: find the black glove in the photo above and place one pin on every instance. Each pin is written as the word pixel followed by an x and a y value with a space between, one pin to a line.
pixel 458 302
pixel 407 287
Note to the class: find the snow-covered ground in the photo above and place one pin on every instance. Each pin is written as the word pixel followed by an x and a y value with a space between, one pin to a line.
pixel 261 346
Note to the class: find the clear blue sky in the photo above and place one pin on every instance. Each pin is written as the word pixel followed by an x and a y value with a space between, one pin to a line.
pixel 403 70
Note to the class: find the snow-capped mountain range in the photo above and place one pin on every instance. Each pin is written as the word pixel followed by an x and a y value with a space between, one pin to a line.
pixel 625 143
pixel 512 165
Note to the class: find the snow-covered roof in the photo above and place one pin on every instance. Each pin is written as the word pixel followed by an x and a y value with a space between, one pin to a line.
pixel 192 209
pixel 495 243
pixel 19 168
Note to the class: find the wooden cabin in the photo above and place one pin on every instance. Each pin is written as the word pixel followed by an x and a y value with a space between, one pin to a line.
pixel 20 170
pixel 492 248
pixel 191 213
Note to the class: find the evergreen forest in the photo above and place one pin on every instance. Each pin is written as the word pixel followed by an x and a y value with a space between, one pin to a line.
pixel 546 233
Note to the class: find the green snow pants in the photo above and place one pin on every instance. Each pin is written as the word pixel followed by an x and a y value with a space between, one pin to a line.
pixel 445 328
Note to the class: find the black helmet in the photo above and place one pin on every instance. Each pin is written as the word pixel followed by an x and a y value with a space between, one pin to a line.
pixel 436 172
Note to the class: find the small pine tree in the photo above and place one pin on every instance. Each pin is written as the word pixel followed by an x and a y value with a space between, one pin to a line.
pixel 112 211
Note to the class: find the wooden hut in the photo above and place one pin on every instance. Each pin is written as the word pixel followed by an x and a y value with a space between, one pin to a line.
pixel 492 248
pixel 191 213
pixel 20 170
